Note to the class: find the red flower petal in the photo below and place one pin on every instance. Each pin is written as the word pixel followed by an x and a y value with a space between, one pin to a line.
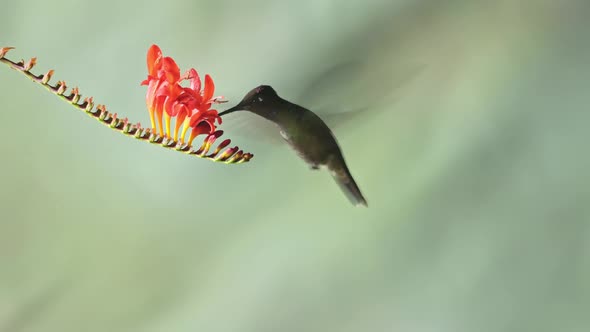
pixel 182 113
pixel 152 93
pixel 170 70
pixel 191 97
pixel 169 107
pixel 153 58
pixel 204 107
pixel 209 88
pixel 203 127
pixel 195 118
pixel 163 88
pixel 195 80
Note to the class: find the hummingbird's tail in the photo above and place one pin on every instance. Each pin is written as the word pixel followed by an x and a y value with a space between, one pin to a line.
pixel 344 179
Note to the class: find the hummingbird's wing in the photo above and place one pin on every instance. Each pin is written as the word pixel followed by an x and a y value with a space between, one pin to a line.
pixel 246 125
pixel 343 93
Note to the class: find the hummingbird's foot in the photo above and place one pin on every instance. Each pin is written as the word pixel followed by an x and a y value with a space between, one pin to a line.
pixel 315 167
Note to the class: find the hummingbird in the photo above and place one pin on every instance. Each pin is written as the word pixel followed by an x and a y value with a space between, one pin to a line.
pixel 305 132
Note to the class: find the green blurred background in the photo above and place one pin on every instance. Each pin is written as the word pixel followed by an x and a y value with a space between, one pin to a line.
pixel 472 153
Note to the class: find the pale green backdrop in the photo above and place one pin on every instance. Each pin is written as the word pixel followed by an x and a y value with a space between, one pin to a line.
pixel 473 155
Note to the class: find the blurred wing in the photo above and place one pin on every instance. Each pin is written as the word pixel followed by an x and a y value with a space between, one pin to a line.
pixel 249 126
pixel 349 91
pixel 354 91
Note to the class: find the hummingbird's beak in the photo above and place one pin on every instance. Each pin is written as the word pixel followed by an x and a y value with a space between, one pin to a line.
pixel 231 110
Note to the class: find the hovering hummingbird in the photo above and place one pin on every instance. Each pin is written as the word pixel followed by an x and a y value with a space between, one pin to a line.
pixel 305 132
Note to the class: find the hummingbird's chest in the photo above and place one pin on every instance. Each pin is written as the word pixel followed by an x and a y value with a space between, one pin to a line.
pixel 306 133
pixel 284 135
pixel 310 145
pixel 293 139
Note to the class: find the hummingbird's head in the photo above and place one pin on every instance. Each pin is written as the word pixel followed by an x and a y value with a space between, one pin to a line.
pixel 257 100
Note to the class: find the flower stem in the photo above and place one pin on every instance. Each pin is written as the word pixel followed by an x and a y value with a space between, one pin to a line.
pixel 112 121
pixel 167 120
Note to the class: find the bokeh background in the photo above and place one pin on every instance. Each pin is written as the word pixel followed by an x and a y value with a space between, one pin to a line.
pixel 470 146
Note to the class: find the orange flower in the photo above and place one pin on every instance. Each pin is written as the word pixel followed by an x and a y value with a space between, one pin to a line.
pixel 167 98
pixel 164 96
pixel 193 106
pixel 163 76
